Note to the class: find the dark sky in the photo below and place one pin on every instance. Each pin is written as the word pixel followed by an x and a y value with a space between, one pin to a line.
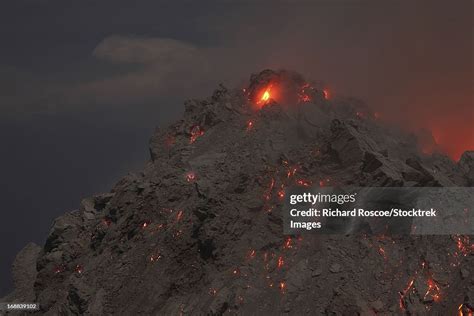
pixel 84 83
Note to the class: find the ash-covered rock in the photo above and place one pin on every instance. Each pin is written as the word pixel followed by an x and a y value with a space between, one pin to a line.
pixel 199 231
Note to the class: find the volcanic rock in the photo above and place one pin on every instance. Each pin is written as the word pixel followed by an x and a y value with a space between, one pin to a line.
pixel 24 274
pixel 199 231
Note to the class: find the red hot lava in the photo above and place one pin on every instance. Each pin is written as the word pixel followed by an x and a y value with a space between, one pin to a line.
pixel 79 269
pixel 281 193
pixel 251 254
pixel 195 132
pixel 190 176
pixel 265 96
pixel 249 126
pixel 326 94
pixel 154 258
pixel 284 93
pixel 287 244
pixel 282 286
pixel 280 262
pixel 303 95
pixel 304 183
pixel 179 216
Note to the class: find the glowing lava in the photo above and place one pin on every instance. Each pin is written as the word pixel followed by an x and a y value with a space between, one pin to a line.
pixel 304 183
pixel 280 262
pixel 281 194
pixel 382 252
pixel 190 176
pixel 464 248
pixel 79 269
pixel 179 216
pixel 303 95
pixel 404 293
pixel 195 132
pixel 251 254
pixel 326 94
pixel 465 310
pixel 154 258
pixel 282 286
pixel 249 126
pixel 265 97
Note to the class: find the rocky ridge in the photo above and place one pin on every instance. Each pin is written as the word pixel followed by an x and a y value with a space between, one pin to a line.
pixel 199 230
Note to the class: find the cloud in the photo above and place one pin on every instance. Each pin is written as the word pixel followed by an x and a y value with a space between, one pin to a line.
pixel 163 66
pixel 157 51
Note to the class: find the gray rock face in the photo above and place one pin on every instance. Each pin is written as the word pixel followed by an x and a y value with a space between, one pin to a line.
pixel 199 230
pixel 24 274
pixel 466 163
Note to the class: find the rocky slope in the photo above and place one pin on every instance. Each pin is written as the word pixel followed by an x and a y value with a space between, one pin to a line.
pixel 199 231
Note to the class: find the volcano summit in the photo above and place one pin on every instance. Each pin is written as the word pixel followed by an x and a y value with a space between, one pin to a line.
pixel 199 230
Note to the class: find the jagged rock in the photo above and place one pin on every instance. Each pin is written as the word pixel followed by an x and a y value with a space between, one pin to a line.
pixel 467 164
pixel 24 274
pixel 378 306
pixel 335 268
pixel 371 162
pixel 91 207
pixel 199 230
pixel 351 144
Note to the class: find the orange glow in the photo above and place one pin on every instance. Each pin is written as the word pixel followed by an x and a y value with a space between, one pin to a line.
pixel 303 95
pixel 79 269
pixel 462 310
pixel 251 254
pixel 179 216
pixel 304 183
pixel 59 269
pixel 249 125
pixel 326 94
pixel 195 132
pixel 403 293
pixel 433 290
pixel 382 252
pixel 325 182
pixel 282 286
pixel 154 258
pixel 305 98
pixel 281 262
pixel 281 194
pixel 268 193
pixel 464 245
pixel 265 97
pixel 190 176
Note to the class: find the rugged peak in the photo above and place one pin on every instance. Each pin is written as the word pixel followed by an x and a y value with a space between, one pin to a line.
pixel 199 231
